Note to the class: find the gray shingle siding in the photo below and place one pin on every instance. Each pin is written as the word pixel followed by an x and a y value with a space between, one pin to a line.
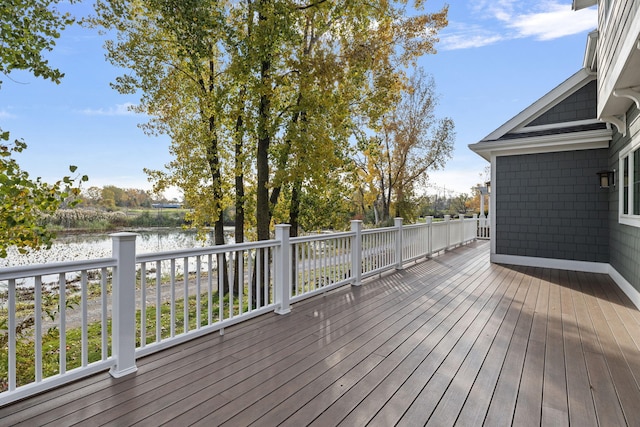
pixel 581 105
pixel 624 240
pixel 549 205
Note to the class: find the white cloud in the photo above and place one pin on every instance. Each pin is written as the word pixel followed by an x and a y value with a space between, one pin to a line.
pixel 558 20
pixel 119 110
pixel 499 20
pixel 464 37
pixel 499 9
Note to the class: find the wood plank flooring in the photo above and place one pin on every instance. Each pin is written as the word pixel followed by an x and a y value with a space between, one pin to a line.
pixel 450 341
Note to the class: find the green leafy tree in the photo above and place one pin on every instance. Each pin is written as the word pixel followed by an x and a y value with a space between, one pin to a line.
pixel 260 97
pixel 23 201
pixel 173 51
pixel 345 62
pixel 29 28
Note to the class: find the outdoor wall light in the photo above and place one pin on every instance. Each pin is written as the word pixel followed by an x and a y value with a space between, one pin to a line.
pixel 488 185
pixel 607 178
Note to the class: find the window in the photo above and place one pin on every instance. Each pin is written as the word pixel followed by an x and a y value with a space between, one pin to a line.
pixel 625 186
pixel 630 184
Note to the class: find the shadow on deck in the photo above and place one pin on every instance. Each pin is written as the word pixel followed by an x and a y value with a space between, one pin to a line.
pixel 451 341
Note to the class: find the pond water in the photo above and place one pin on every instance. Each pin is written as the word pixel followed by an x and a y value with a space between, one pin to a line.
pixel 93 246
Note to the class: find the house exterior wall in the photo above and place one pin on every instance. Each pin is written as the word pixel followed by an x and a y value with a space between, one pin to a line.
pixel 581 105
pixel 624 254
pixel 549 205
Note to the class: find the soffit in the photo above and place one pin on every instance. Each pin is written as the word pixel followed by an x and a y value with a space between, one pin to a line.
pixel 582 4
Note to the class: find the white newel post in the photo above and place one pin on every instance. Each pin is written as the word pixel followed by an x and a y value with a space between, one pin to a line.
pixel 283 266
pixel 356 252
pixel 430 235
pixel 397 222
pixel 123 313
pixel 447 220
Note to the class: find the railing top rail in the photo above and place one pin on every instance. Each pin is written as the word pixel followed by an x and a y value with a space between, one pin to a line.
pixel 20 272
pixel 218 249
pixel 418 225
pixel 316 237
pixel 379 230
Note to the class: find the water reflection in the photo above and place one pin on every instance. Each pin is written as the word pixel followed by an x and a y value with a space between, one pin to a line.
pixel 93 246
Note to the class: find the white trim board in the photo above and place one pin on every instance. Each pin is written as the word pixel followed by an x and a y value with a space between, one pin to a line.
pixel 625 286
pixel 557 264
pixel 560 125
pixel 574 141
pixel 563 264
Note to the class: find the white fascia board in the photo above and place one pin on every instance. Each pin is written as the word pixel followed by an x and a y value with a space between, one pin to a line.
pixel 590 52
pixel 552 126
pixel 561 92
pixel 583 4
pixel 572 141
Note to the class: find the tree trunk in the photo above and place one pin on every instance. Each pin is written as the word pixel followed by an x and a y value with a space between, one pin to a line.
pixel 294 210
pixel 218 228
pixel 263 216
pixel 263 211
pixel 239 201
pixel 216 176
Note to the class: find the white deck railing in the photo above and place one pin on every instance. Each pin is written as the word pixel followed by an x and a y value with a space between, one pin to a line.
pixel 64 321
pixel 484 230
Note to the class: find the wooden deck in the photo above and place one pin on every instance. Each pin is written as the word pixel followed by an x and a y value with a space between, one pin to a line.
pixel 451 341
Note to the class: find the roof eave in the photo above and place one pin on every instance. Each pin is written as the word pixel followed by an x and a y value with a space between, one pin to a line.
pixel 583 4
pixel 571 141
pixel 590 54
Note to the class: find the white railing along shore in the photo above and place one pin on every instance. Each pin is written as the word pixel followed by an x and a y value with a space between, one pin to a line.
pixel 60 322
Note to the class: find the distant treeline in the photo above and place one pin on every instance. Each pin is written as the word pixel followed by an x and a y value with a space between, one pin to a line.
pixel 113 198
pixel 88 219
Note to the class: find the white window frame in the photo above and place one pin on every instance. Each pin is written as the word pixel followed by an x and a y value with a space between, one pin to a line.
pixel 627 152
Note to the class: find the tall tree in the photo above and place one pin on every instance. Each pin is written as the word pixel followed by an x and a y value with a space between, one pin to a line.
pixel 348 63
pixel 174 52
pixel 411 141
pixel 260 96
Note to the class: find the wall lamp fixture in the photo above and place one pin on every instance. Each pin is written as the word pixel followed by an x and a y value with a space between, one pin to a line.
pixel 607 178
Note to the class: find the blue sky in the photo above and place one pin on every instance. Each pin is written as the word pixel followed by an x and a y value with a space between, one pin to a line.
pixel 494 59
